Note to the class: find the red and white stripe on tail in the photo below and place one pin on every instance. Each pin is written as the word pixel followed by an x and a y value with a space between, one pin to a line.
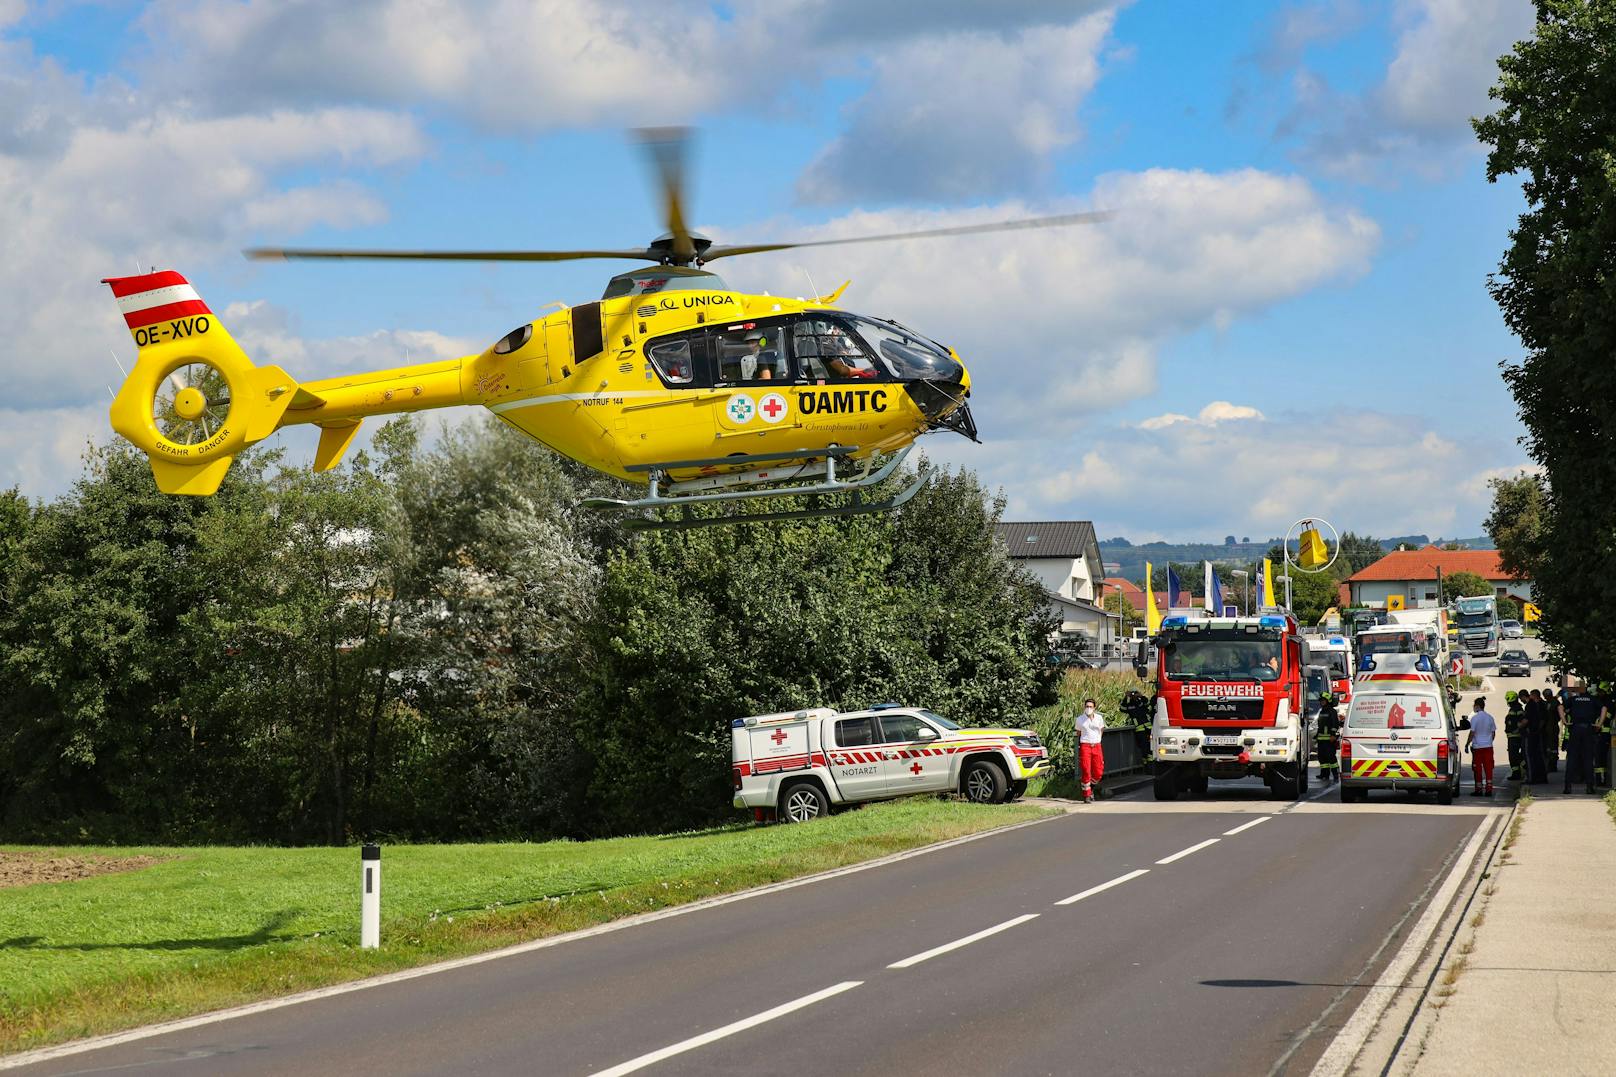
pixel 151 298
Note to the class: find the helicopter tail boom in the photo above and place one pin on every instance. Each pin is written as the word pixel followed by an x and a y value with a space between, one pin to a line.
pixel 194 400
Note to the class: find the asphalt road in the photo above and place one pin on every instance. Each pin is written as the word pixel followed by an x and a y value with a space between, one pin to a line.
pixel 1207 937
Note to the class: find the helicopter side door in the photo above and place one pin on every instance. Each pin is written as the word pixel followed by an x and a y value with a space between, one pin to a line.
pixel 670 417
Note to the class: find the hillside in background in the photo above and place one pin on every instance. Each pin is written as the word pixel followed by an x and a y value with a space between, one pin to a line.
pixel 1245 550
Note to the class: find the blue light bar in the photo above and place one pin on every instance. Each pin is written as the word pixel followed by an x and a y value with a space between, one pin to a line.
pixel 1423 664
pixel 1271 622
pixel 886 706
pixel 739 723
pixel 1337 639
pixel 1175 622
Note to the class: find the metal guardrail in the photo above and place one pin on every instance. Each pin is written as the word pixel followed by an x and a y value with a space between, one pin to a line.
pixel 1120 747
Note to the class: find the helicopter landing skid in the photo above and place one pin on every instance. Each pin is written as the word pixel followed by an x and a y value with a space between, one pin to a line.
pixel 682 495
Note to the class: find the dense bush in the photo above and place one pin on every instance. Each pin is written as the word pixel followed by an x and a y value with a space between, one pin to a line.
pixel 440 644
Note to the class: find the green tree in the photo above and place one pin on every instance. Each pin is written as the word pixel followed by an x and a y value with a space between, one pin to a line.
pixel 1464 585
pixel 1556 286
pixel 1509 609
pixel 1116 602
pixel 1359 551
pixel 1516 523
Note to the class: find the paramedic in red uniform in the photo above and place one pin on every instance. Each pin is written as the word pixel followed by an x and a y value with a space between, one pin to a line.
pixel 1090 758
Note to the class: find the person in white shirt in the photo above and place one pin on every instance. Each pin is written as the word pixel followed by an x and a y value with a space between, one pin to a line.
pixel 1090 758
pixel 1483 730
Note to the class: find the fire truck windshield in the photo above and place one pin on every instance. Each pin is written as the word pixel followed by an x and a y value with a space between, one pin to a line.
pixel 1221 656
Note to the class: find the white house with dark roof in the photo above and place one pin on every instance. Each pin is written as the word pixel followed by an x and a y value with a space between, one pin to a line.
pixel 1065 557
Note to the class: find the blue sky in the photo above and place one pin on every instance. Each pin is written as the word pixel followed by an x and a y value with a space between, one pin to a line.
pixel 1287 316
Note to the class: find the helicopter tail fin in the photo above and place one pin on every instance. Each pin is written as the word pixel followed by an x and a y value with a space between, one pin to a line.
pixel 193 400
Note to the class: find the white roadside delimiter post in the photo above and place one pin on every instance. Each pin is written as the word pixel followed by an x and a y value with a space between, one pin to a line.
pixel 370 897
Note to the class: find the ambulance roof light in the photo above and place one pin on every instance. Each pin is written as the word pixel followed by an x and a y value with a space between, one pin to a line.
pixel 886 706
pixel 1271 622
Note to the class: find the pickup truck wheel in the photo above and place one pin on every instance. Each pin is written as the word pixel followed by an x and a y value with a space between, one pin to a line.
pixel 983 783
pixel 802 802
pixel 1444 796
pixel 1018 789
pixel 1166 784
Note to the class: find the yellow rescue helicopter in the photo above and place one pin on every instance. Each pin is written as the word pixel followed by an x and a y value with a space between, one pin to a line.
pixel 671 380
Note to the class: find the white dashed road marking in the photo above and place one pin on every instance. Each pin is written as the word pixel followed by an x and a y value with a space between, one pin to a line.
pixel 957 943
pixel 1247 826
pixel 1182 853
pixel 1091 891
pixel 728 1030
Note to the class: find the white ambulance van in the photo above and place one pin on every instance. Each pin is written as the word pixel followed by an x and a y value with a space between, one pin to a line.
pixel 1400 731
pixel 796 764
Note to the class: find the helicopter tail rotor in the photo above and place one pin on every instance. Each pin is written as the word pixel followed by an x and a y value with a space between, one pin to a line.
pixel 194 400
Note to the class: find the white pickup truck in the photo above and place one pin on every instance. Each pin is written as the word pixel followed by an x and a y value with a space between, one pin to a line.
pixel 793 766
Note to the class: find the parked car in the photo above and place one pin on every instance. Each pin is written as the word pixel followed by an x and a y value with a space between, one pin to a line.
pixel 1512 629
pixel 1514 664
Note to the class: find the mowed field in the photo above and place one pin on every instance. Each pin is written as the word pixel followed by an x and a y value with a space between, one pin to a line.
pixel 196 929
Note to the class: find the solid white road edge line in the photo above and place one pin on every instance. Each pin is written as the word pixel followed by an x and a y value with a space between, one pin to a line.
pixel 1091 891
pixel 43 1054
pixel 728 1030
pixel 1338 1057
pixel 1182 853
pixel 966 941
pixel 1247 826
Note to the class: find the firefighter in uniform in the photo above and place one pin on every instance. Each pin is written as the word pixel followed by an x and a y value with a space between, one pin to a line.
pixel 1583 714
pixel 1329 732
pixel 1137 708
pixel 1602 739
pixel 1515 736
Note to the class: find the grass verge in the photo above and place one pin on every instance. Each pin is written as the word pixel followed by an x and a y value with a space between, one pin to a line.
pixel 220 926
pixel 1610 804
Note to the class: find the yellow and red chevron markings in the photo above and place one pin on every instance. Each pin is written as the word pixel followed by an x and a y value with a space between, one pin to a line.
pixel 1394 768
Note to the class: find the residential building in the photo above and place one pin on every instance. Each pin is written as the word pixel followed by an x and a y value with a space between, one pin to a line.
pixel 1412 575
pixel 1065 557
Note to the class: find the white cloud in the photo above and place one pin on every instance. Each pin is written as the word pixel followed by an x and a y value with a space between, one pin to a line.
pixel 42 450
pixel 162 189
pixel 1365 471
pixel 1446 59
pixel 963 115
pixel 1063 323
pixel 269 334
pixel 12 11
pixel 1219 411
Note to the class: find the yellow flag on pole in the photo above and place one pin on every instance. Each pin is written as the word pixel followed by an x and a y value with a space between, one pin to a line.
pixel 1268 599
pixel 1152 614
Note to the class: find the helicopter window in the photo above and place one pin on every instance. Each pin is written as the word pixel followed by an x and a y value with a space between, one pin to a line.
pixel 514 340
pixel 672 359
pixel 906 354
pixel 829 351
pixel 749 352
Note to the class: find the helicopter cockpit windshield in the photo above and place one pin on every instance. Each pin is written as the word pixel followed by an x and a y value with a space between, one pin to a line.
pixel 908 355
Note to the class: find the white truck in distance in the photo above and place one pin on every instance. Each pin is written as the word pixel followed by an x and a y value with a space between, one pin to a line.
pixel 796 764
pixel 1478 624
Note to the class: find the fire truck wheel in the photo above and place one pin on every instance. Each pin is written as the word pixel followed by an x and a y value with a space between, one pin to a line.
pixel 802 802
pixel 1199 785
pixel 1166 783
pixel 1283 788
pixel 983 783
pixel 1018 789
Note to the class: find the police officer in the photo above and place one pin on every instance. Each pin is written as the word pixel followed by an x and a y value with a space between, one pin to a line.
pixel 1329 731
pixel 1515 737
pixel 1552 716
pixel 1583 714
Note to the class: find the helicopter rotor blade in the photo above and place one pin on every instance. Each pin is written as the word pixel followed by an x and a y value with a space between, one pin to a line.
pixel 1060 221
pixel 279 254
pixel 667 148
